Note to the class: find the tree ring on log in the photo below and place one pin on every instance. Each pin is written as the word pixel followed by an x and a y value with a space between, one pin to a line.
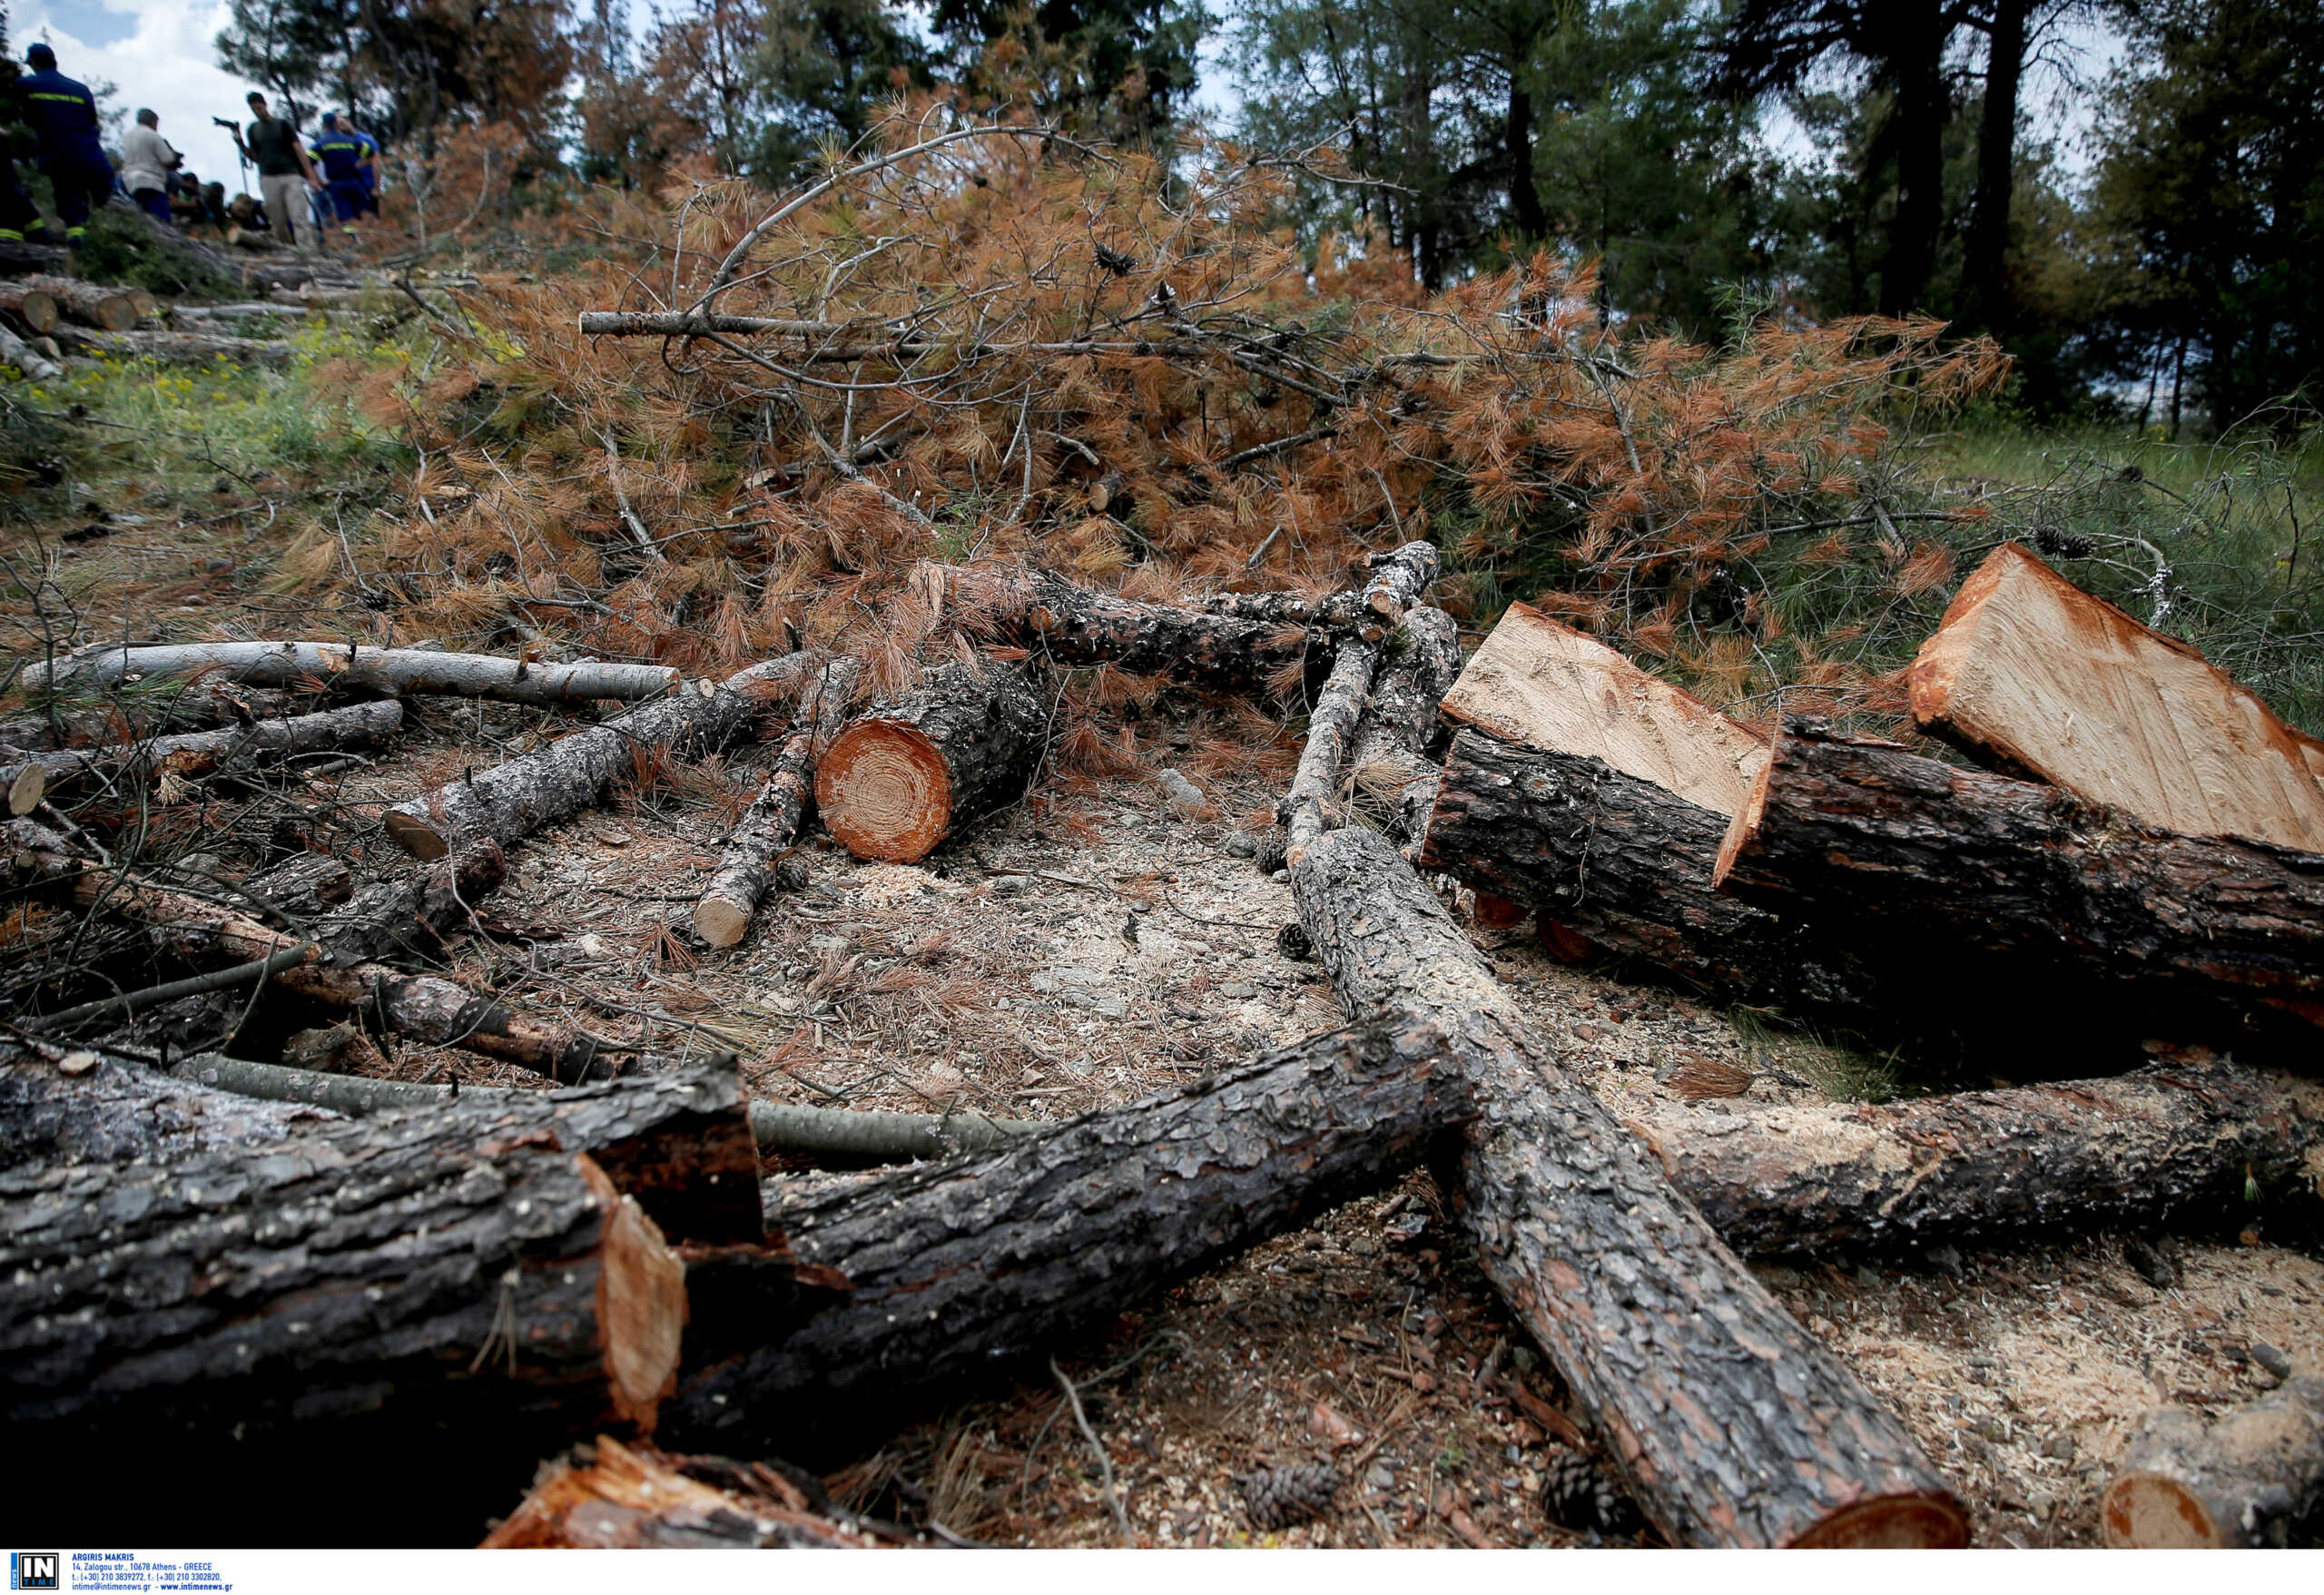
pixel 885 792
pixel 641 1304
pixel 1890 1522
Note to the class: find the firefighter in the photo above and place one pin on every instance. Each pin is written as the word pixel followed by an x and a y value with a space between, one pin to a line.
pixel 19 218
pixel 343 157
pixel 62 115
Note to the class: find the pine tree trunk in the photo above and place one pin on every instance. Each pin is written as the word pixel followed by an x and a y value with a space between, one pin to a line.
pixel 340 668
pixel 906 774
pixel 2035 891
pixel 198 707
pixel 181 349
pixel 1731 1425
pixel 770 824
pixel 1390 766
pixel 119 1112
pixel 962 1270
pixel 1314 804
pixel 90 305
pixel 2248 1478
pixel 35 309
pixel 203 752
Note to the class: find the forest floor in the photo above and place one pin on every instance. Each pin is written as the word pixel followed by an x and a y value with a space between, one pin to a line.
pixel 1095 945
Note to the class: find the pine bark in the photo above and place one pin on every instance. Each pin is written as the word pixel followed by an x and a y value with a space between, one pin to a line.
pixel 1390 768
pixel 340 667
pixel 614 1496
pixel 2248 1479
pixel 1073 625
pixel 1400 577
pixel 131 718
pixel 2045 893
pixel 1314 804
pixel 962 1270
pixel 1731 1425
pixel 87 303
pixel 770 824
pixel 1841 1178
pixel 907 774
pixel 120 1112
pixel 513 800
pixel 204 752
pixel 1629 864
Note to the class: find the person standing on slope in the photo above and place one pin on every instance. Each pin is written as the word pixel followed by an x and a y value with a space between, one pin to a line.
pixel 344 160
pixel 63 114
pixel 146 162
pixel 284 175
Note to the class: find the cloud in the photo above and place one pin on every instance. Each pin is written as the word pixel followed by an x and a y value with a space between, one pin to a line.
pixel 155 53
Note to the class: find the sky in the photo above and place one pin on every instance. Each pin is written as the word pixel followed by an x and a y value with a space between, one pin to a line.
pixel 155 53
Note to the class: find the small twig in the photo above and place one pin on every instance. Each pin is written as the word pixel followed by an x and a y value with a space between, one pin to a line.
pixel 1105 1463
pixel 645 544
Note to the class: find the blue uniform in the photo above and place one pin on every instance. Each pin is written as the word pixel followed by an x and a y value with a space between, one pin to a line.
pixel 371 175
pixel 339 154
pixel 65 115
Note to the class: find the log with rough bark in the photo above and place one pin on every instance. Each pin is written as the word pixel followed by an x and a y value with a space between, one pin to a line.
pixel 33 309
pixel 348 668
pixel 88 303
pixel 1330 612
pixel 203 752
pixel 2039 890
pixel 1389 768
pixel 962 1270
pixel 907 774
pixel 30 361
pixel 1313 805
pixel 1834 1178
pixel 34 855
pixel 614 1496
pixel 770 824
pixel 1730 1423
pixel 2031 673
pixel 109 1111
pixel 180 349
pixel 1399 577
pixel 2251 1477
pixel 130 717
pixel 512 799
pixel 1626 863
pixel 1072 625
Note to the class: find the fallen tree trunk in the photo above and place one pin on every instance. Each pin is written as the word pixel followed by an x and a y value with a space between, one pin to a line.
pixel 110 1111
pixel 130 717
pixel 180 349
pixel 1730 1423
pixel 36 855
pixel 342 667
pixel 35 309
pixel 2035 884
pixel 204 752
pixel 614 1496
pixel 1389 769
pixel 30 361
pixel 2031 673
pixel 905 774
pixel 512 799
pixel 2247 1479
pixel 1074 625
pixel 1851 1176
pixel 112 309
pixel 1313 805
pixel 770 824
pixel 1398 578
pixel 1626 863
pixel 960 1269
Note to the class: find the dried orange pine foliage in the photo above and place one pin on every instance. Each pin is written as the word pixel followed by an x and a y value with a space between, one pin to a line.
pixel 980 341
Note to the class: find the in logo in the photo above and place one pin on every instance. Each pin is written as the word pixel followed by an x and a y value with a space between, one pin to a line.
pixel 33 1570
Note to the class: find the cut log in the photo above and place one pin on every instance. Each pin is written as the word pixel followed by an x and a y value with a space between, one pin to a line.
pixel 1729 1423
pixel 130 717
pixel 1313 806
pixel 181 349
pixel 770 824
pixel 34 855
pixel 2246 1479
pixel 905 774
pixel 342 667
pixel 1399 577
pixel 112 309
pixel 120 1112
pixel 1388 767
pixel 35 309
pixel 2171 1140
pixel 614 1496
pixel 305 885
pixel 1331 612
pixel 961 1271
pixel 2033 885
pixel 1628 864
pixel 30 361
pixel 1545 685
pixel 203 752
pixel 513 800
pixel 1074 625
pixel 2030 673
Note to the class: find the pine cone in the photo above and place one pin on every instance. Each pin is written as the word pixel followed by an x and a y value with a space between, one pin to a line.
pixel 2053 544
pixel 1582 1493
pixel 1277 1498
pixel 1273 846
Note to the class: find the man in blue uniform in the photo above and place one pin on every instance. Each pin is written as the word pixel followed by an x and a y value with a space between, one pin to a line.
pixel 19 218
pixel 371 205
pixel 63 114
pixel 342 157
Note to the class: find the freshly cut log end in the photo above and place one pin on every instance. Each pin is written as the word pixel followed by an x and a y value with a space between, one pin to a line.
pixel 897 781
pixel 614 1496
pixel 2244 1481
pixel 641 1305
pixel 25 791
pixel 1891 1522
pixel 719 922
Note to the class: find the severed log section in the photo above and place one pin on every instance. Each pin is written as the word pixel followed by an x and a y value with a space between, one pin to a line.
pixel 2033 675
pixel 111 1111
pixel 906 773
pixel 770 824
pixel 35 309
pixel 1313 806
pixel 33 855
pixel 88 303
pixel 204 752
pixel 181 349
pixel 1730 1423
pixel 1390 773
pixel 1545 685
pixel 612 1497
pixel 1626 863
pixel 2033 883
pixel 1074 625
pixel 348 668
pixel 130 717
pixel 1399 578
pixel 1851 1176
pixel 2247 1479
pixel 510 800
pixel 21 354
pixel 962 1270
